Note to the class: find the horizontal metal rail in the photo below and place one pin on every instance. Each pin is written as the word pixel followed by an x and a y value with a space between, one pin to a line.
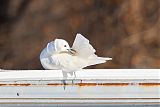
pixel 91 86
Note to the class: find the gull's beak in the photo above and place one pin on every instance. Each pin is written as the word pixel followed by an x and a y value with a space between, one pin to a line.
pixel 72 51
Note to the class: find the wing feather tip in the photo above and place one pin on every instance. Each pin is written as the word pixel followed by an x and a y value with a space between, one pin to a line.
pixel 108 58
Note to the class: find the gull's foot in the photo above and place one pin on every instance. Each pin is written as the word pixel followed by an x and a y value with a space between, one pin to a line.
pixel 64 84
pixel 72 81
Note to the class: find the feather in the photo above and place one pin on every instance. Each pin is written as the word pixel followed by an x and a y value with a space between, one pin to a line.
pixel 85 50
pixel 51 48
pixel 82 46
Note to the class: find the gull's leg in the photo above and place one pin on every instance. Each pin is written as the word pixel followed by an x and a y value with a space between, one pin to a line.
pixel 72 81
pixel 74 74
pixel 74 77
pixel 64 79
pixel 64 84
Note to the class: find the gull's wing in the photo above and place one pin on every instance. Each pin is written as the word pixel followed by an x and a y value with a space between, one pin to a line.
pixel 50 49
pixel 85 50
pixel 45 58
pixel 83 47
pixel 69 63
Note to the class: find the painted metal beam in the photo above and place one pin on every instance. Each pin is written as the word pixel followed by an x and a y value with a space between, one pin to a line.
pixel 91 86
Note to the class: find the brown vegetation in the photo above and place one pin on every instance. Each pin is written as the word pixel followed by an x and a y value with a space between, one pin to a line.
pixel 126 30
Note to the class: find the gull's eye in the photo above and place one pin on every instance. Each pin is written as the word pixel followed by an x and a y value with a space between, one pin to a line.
pixel 65 45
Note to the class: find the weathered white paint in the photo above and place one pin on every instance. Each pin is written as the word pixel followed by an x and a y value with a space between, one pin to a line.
pixel 84 74
pixel 40 92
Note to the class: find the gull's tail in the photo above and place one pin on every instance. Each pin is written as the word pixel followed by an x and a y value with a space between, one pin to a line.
pixel 97 60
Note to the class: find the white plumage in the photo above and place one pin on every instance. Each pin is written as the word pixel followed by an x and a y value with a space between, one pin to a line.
pixel 59 55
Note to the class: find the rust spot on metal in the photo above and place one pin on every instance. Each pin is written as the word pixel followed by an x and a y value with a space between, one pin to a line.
pixel 2 84
pixel 107 84
pixel 85 84
pixel 149 84
pixel 15 84
pixel 21 84
pixel 102 84
pixel 92 84
pixel 54 84
pixel 116 84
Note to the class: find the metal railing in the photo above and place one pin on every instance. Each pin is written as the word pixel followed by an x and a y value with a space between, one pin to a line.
pixel 90 87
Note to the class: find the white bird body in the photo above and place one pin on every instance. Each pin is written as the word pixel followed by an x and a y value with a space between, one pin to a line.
pixel 58 55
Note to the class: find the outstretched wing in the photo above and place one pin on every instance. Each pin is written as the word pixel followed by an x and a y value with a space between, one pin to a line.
pixel 85 50
pixel 82 46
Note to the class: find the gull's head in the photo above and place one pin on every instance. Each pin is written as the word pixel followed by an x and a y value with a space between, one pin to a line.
pixel 59 46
